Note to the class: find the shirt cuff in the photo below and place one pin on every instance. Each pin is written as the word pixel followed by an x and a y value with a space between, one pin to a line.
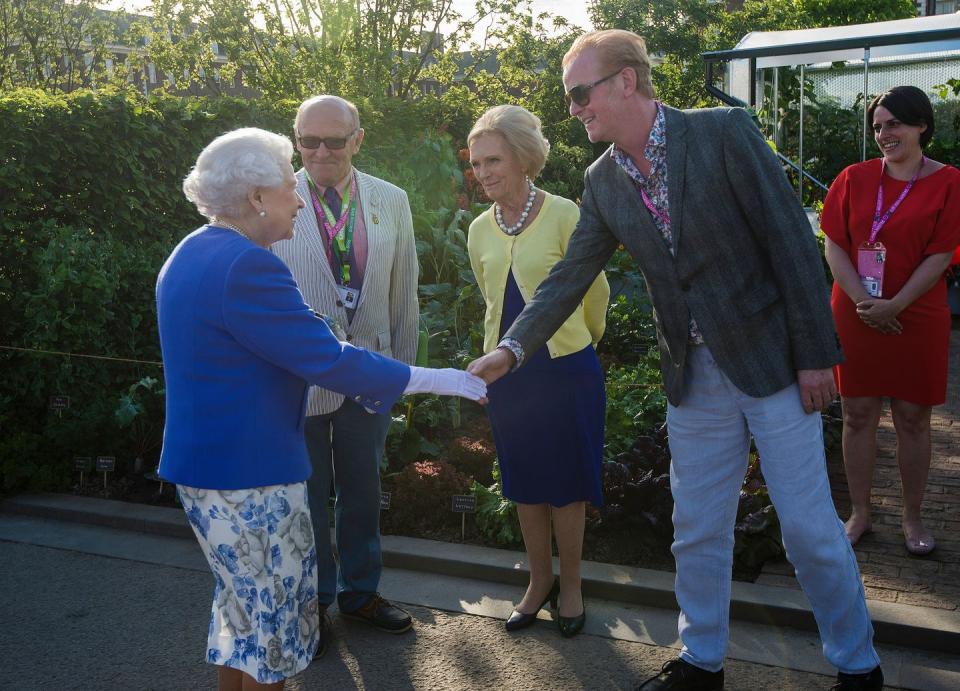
pixel 513 345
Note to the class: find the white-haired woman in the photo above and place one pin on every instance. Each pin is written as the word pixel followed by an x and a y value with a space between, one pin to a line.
pixel 240 348
pixel 547 417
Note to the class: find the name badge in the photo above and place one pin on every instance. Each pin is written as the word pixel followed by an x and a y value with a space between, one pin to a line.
pixel 348 296
pixel 871 257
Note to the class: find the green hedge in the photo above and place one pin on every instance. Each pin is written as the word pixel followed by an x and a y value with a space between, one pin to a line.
pixel 92 205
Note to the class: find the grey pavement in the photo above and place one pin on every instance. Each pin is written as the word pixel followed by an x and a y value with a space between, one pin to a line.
pixel 98 607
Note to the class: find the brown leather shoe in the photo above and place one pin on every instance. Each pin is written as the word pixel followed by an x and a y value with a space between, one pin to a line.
pixel 380 613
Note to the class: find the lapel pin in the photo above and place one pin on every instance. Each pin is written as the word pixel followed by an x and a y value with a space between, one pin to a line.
pixel 376 219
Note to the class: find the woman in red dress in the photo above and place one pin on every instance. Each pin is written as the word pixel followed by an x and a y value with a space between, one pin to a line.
pixel 895 335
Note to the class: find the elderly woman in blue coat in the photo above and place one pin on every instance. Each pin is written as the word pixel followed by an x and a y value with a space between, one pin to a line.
pixel 240 349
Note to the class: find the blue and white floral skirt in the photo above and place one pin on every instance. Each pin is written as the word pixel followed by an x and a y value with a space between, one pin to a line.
pixel 259 544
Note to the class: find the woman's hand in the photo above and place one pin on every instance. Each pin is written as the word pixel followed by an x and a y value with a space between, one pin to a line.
pixel 880 314
pixel 447 382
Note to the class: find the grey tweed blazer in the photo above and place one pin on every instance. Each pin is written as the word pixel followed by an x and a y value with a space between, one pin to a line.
pixel 746 266
pixel 388 313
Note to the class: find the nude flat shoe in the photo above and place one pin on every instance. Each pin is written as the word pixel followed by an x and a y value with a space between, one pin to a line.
pixel 919 545
pixel 854 538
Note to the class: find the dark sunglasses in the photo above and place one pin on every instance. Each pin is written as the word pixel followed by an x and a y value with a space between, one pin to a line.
pixel 332 143
pixel 580 94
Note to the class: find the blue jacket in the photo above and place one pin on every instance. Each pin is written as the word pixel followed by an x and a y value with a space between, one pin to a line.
pixel 240 347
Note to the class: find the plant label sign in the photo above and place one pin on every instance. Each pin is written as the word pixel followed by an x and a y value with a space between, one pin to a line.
pixel 464 503
pixel 59 403
pixel 82 463
pixel 106 464
pixel 384 501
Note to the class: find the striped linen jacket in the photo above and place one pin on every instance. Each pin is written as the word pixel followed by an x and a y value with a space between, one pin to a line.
pixel 388 313
pixel 746 265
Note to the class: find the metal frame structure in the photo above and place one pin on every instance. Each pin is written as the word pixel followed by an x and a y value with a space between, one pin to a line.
pixel 856 43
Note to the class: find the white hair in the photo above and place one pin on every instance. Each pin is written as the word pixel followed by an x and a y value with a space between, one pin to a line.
pixel 231 165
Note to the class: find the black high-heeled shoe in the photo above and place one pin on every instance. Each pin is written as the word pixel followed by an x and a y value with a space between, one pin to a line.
pixel 571 626
pixel 520 620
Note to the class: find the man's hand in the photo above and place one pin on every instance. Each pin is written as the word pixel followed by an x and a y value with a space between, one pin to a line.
pixel 493 365
pixel 817 388
pixel 880 314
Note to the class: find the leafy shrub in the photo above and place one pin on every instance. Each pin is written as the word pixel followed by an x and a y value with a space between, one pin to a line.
pixel 630 334
pixel 757 532
pixel 497 518
pixel 141 410
pixel 636 494
pixel 635 402
pixel 421 495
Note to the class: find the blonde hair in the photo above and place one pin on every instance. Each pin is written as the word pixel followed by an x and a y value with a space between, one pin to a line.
pixel 521 130
pixel 616 49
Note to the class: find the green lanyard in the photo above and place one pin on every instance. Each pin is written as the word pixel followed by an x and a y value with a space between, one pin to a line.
pixel 339 231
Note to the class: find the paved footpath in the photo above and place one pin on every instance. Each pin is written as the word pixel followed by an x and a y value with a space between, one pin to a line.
pixel 89 606
pixel 82 621
pixel 890 573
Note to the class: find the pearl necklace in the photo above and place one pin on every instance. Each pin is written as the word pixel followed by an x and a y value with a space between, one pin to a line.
pixel 229 226
pixel 515 228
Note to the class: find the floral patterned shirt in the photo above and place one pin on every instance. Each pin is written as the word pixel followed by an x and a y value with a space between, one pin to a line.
pixel 655 185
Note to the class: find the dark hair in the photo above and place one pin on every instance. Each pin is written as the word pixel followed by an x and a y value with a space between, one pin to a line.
pixel 909 105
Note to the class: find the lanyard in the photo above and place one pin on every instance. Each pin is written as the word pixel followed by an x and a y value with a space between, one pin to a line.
pixel 878 220
pixel 662 215
pixel 340 233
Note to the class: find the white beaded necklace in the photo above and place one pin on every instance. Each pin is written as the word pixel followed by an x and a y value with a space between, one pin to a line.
pixel 516 227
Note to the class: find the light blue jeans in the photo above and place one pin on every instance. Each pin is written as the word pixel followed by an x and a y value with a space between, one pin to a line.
pixel 345 448
pixel 709 443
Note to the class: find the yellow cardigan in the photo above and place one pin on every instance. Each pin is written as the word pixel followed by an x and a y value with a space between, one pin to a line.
pixel 532 254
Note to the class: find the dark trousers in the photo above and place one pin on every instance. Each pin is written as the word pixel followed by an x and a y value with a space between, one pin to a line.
pixel 346 447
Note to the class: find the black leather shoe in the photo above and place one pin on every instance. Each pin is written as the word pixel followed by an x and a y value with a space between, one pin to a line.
pixel 380 613
pixel 571 626
pixel 521 620
pixel 325 627
pixel 868 681
pixel 680 675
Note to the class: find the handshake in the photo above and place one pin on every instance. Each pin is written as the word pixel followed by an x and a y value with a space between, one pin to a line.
pixel 470 384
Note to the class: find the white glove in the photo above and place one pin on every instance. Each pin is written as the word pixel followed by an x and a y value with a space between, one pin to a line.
pixel 446 382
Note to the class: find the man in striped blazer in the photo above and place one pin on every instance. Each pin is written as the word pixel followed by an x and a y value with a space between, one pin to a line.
pixel 354 257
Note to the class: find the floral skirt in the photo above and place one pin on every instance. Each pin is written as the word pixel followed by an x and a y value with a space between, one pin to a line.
pixel 259 544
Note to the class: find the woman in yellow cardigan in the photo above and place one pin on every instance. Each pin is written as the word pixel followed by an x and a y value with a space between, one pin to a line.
pixel 547 417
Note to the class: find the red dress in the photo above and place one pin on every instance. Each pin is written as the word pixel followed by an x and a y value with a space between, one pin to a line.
pixel 910 366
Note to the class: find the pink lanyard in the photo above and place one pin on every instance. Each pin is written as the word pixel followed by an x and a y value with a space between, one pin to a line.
pixel 662 215
pixel 878 220
pixel 324 214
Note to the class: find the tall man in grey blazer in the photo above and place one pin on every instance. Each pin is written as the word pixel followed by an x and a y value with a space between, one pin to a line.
pixel 746 341
pixel 354 257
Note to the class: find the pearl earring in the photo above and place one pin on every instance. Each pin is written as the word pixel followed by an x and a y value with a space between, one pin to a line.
pixel 263 212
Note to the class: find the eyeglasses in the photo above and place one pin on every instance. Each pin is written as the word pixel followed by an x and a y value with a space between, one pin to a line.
pixel 332 143
pixel 580 94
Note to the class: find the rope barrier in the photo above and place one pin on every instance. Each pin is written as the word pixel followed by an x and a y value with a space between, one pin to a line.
pixel 38 351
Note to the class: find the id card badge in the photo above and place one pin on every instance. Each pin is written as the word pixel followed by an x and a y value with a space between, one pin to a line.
pixel 871 256
pixel 348 296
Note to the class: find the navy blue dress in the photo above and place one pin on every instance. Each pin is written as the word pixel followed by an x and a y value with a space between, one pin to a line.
pixel 547 419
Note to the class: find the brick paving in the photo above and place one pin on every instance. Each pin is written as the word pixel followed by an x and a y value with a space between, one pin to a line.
pixel 890 573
